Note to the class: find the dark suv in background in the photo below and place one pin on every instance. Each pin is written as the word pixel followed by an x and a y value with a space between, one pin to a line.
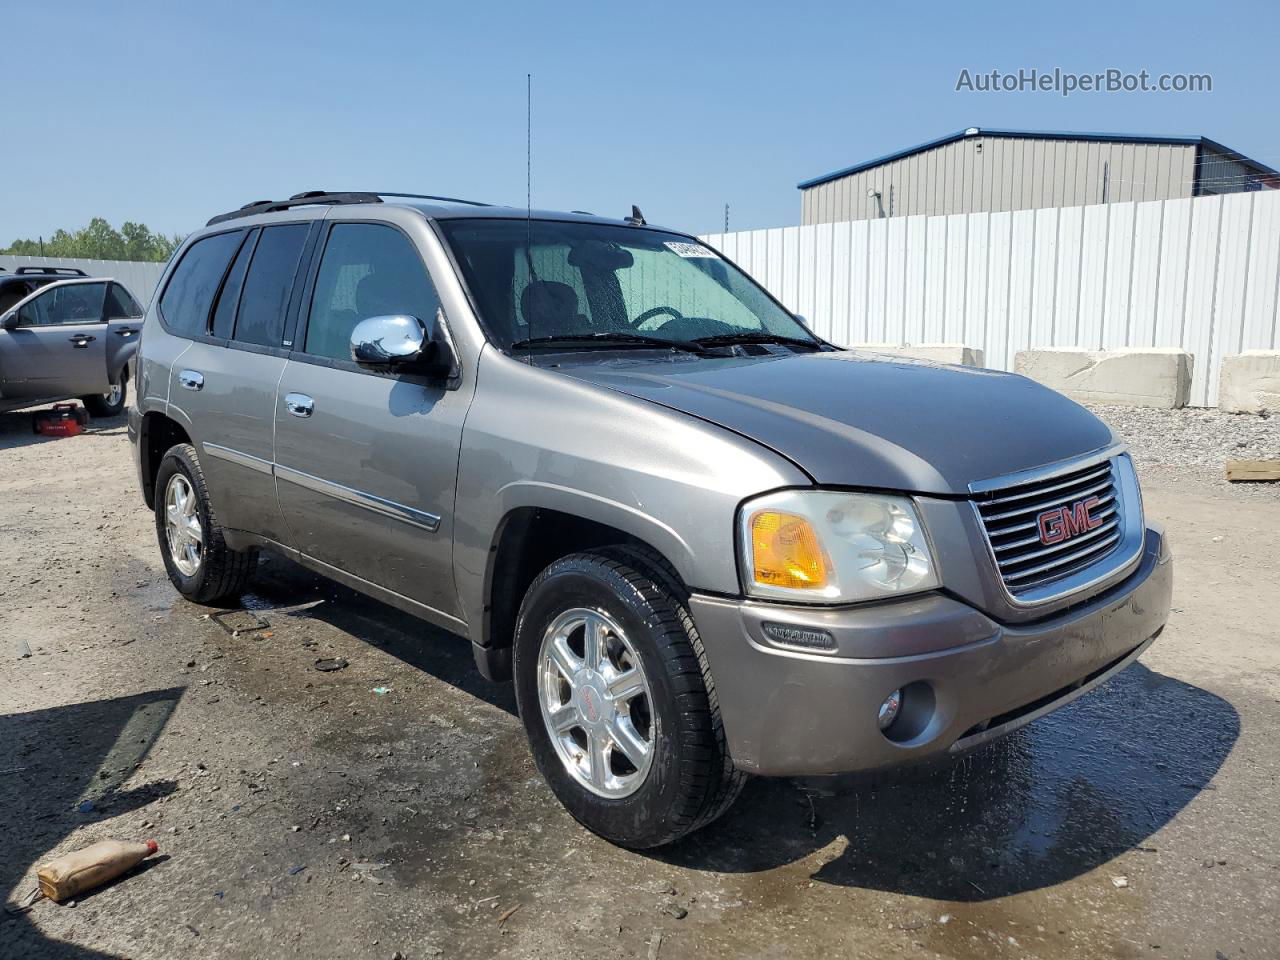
pixel 18 285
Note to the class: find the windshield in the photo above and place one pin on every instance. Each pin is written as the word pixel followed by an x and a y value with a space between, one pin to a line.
pixel 541 278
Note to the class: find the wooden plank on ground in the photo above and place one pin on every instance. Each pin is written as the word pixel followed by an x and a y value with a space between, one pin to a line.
pixel 1238 470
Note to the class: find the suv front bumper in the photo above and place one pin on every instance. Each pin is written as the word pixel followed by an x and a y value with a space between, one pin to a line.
pixel 967 678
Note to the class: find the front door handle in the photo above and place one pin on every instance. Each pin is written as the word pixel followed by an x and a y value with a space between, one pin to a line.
pixel 299 404
pixel 191 379
pixel 82 339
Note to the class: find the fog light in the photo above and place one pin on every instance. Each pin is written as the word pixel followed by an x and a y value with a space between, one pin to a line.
pixel 889 709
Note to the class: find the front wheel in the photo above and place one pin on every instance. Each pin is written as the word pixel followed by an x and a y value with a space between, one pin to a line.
pixel 199 563
pixel 617 699
pixel 109 404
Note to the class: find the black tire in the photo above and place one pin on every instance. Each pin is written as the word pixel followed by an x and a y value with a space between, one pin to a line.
pixel 691 780
pixel 101 404
pixel 223 573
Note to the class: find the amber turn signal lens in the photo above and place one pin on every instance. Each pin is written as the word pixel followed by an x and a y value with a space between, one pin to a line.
pixel 785 552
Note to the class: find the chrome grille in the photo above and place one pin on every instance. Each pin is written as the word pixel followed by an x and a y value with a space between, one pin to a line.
pixel 1011 515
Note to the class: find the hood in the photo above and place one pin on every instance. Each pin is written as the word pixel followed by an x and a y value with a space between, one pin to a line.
pixel 868 420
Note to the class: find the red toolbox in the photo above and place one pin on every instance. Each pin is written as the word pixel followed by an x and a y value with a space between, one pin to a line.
pixel 64 420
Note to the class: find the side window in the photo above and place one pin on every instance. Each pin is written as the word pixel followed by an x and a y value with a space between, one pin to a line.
pixel 121 305
pixel 75 303
pixel 268 284
pixel 224 314
pixel 368 270
pixel 190 291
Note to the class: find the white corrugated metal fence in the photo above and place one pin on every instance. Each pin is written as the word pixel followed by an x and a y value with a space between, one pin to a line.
pixel 140 278
pixel 1201 274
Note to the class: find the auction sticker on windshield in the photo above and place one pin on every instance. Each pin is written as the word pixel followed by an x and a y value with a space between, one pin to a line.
pixel 691 250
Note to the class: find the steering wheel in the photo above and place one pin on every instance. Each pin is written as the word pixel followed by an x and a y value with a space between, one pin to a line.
pixel 672 314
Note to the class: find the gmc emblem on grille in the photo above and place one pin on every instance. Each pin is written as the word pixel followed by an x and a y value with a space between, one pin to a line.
pixel 1063 523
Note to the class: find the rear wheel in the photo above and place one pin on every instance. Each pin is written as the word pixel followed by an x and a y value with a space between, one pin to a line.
pixel 109 404
pixel 617 699
pixel 199 563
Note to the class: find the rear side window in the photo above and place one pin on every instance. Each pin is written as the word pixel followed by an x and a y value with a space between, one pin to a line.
pixel 224 314
pixel 269 283
pixel 121 305
pixel 368 270
pixel 187 297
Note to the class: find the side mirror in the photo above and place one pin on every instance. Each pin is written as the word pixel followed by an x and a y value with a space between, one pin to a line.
pixel 387 341
pixel 401 342
pixel 10 320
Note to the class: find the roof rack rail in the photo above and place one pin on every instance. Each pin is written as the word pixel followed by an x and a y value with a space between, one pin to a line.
pixel 309 197
pixel 428 196
pixel 306 198
pixel 53 271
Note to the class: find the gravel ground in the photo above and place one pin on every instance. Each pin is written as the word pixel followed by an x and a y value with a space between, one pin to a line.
pixel 1197 443
pixel 303 813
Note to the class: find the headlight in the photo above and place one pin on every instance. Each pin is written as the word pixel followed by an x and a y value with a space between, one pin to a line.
pixel 829 547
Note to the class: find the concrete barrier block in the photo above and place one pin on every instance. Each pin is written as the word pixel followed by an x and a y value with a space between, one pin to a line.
pixel 955 353
pixel 1250 382
pixel 1131 377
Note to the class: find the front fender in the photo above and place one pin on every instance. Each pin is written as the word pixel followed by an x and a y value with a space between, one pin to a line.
pixel 537 439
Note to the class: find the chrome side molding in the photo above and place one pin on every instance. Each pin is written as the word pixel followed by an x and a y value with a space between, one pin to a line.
pixel 257 464
pixel 388 508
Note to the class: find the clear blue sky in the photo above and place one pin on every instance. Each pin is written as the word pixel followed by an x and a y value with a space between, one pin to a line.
pixel 170 112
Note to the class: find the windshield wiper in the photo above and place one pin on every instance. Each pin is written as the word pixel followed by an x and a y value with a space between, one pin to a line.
pixel 726 339
pixel 605 339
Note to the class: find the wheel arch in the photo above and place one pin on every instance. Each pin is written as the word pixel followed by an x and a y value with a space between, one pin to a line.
pixel 528 539
pixel 157 433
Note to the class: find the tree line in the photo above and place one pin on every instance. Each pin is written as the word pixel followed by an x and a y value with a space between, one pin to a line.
pixel 101 241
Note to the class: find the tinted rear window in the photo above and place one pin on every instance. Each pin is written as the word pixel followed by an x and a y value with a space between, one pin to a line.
pixel 121 305
pixel 269 283
pixel 186 300
pixel 224 313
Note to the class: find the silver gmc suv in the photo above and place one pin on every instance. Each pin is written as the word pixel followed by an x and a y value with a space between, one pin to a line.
pixel 701 541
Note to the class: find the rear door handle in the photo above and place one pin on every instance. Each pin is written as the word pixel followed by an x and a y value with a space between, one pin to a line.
pixel 299 404
pixel 191 379
pixel 126 331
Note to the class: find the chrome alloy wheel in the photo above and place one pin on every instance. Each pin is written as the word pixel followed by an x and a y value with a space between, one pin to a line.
pixel 112 396
pixel 182 525
pixel 596 703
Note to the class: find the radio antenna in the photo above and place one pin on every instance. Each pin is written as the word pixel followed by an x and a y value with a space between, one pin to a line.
pixel 528 193
pixel 528 147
